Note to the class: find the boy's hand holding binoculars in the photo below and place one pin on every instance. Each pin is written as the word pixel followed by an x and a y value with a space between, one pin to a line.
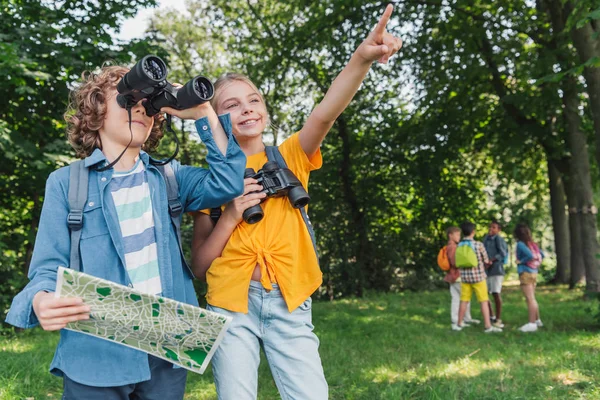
pixel 193 113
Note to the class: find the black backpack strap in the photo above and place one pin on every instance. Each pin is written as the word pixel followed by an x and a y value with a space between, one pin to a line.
pixel 175 207
pixel 273 154
pixel 215 214
pixel 78 190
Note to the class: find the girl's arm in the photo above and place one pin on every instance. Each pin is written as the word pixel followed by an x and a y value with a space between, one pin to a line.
pixel 379 45
pixel 208 242
pixel 523 252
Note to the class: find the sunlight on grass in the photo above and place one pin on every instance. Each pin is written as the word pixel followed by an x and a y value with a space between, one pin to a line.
pixel 466 367
pixel 593 342
pixel 469 368
pixel 208 392
pixel 18 346
pixel 569 378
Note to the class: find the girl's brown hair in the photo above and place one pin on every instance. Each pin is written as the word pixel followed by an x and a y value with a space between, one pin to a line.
pixel 87 110
pixel 523 234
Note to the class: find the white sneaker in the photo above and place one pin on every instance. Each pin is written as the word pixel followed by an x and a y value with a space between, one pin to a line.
pixel 529 327
pixel 539 323
pixel 473 321
pixel 456 327
pixel 492 329
pixel 498 323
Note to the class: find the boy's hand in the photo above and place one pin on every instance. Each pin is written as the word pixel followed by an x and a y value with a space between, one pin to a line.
pixel 235 208
pixel 380 45
pixel 193 113
pixel 55 313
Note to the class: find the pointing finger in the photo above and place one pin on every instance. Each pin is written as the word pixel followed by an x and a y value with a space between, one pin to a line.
pixel 380 28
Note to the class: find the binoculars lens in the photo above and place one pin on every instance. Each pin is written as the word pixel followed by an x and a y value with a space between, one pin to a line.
pixel 155 68
pixel 204 88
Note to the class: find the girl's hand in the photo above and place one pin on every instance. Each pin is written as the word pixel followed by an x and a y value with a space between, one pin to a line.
pixel 235 208
pixel 55 313
pixel 380 45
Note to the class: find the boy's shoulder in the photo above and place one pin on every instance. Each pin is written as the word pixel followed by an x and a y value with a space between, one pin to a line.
pixel 60 177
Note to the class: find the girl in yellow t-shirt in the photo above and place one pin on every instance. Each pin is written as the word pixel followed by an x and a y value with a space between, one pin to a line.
pixel 263 274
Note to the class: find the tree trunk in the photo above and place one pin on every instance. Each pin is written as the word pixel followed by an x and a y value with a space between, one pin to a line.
pixel 581 196
pixel 576 246
pixel 588 48
pixel 362 253
pixel 582 218
pixel 560 223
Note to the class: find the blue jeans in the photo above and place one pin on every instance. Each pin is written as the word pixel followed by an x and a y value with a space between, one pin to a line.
pixel 291 348
pixel 166 383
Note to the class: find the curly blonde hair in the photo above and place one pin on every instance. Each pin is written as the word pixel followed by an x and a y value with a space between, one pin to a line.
pixel 87 110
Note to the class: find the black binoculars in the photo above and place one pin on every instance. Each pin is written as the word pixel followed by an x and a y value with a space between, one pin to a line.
pixel 276 182
pixel 148 80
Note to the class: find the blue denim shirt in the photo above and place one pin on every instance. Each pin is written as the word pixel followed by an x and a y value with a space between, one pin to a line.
pixel 496 248
pixel 87 359
pixel 524 254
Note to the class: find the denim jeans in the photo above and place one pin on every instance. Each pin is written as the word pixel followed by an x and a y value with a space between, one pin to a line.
pixel 290 346
pixel 166 383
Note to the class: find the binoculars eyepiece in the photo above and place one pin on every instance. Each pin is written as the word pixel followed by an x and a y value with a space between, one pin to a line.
pixel 148 80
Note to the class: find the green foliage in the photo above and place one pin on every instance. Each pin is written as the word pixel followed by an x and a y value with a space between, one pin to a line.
pixel 426 142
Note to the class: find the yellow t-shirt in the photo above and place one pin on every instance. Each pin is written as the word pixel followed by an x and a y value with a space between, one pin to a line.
pixel 280 244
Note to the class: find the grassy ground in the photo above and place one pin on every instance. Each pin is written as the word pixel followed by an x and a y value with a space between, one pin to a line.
pixel 400 346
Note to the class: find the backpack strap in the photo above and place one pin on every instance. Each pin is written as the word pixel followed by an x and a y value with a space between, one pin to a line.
pixel 175 207
pixel 78 190
pixel 215 214
pixel 273 154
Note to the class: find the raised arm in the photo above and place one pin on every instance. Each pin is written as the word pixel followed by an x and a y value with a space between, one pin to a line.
pixel 379 45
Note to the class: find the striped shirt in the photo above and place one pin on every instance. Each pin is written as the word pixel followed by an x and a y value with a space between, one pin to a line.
pixel 476 274
pixel 131 195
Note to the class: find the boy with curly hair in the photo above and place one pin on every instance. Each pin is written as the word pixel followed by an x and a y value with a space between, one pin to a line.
pixel 127 236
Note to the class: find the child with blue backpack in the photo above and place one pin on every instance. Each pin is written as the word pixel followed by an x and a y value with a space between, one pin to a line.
pixel 127 235
pixel 471 259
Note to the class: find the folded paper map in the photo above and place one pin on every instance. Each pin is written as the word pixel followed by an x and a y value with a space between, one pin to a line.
pixel 177 332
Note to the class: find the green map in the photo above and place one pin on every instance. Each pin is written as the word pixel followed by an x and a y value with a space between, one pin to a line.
pixel 177 332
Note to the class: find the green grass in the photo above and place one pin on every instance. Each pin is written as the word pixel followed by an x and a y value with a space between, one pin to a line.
pixel 400 346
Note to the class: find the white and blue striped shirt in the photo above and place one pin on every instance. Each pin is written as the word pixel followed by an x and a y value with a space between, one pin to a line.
pixel 131 195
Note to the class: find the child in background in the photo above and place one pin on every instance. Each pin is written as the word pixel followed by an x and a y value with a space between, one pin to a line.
pixel 529 258
pixel 473 279
pixel 127 235
pixel 453 279
pixel 497 250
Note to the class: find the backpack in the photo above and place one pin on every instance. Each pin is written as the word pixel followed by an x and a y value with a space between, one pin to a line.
pixel 78 191
pixel 442 259
pixel 466 257
pixel 536 261
pixel 273 154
